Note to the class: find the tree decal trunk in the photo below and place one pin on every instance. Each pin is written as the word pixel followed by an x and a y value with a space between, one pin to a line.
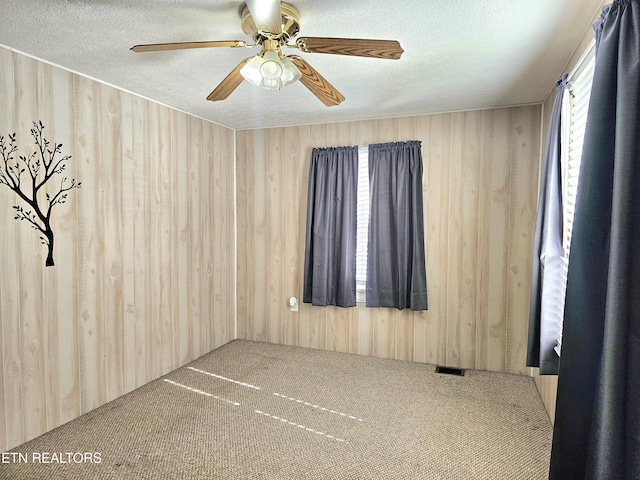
pixel 41 166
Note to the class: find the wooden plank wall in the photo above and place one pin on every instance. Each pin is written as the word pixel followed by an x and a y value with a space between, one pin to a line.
pixel 480 191
pixel 144 275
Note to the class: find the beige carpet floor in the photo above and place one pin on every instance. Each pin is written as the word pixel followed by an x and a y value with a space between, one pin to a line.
pixel 259 411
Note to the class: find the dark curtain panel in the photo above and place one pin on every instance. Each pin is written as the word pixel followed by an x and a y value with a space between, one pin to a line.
pixel 396 273
pixel 547 285
pixel 330 249
pixel 597 427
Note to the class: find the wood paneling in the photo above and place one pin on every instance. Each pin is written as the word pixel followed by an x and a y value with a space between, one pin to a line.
pixel 480 180
pixel 144 277
pixel 548 388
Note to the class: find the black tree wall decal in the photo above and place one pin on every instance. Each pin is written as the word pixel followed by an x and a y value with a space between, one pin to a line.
pixel 41 166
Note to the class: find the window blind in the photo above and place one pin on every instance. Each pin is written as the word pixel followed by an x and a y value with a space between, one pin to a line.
pixel 580 92
pixel 362 222
pixel 575 120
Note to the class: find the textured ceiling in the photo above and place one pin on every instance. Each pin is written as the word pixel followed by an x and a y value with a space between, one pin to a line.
pixel 459 54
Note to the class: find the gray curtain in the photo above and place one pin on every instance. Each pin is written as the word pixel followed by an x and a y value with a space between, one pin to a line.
pixel 396 273
pixel 547 285
pixel 597 426
pixel 330 249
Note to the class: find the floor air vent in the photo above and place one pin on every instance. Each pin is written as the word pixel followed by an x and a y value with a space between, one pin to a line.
pixel 450 371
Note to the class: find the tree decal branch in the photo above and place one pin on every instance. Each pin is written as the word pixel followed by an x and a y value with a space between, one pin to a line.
pixel 41 166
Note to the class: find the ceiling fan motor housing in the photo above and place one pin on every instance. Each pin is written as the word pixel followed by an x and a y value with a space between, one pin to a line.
pixel 290 24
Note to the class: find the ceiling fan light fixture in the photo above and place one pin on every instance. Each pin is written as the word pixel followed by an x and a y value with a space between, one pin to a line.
pixel 290 72
pixel 271 68
pixel 251 71
pixel 271 71
pixel 271 83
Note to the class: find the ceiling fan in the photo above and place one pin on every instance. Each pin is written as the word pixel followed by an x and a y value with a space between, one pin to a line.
pixel 273 25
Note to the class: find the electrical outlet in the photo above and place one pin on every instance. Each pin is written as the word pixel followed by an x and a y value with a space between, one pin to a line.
pixel 293 303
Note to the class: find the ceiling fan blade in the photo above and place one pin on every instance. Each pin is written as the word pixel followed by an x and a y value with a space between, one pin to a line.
pixel 389 49
pixel 315 82
pixel 229 84
pixel 154 47
pixel 266 15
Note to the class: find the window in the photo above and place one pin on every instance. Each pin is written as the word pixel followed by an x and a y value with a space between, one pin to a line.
pixel 574 119
pixel 374 244
pixel 362 232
